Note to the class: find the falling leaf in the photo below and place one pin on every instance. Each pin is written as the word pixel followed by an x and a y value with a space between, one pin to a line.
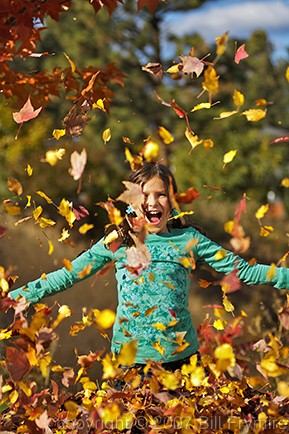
pixel 154 68
pixel 72 65
pixel 78 162
pixel 229 307
pixel 106 135
pixel 17 363
pixel 105 318
pixel 192 138
pixel 285 182
pixel 53 156
pixel 150 150
pixel 229 156
pixel 133 195
pixel 238 98
pixel 208 143
pixel 25 114
pixel 64 235
pixel 224 115
pixel 99 104
pixel 165 135
pixel 128 353
pixel 260 213
pixel 14 186
pixel 265 231
pixel 48 200
pixel 51 247
pixel 225 356
pixel 67 264
pixel 211 80
pixel 201 106
pixel 240 54
pixel 11 209
pixel 221 42
pixel 271 272
pixel 29 170
pixel 254 115
pixel 219 324
pixel 85 228
pixel 287 74
pixel 65 209
pixel 192 65
pixel 157 346
pixel 58 133
pixel 188 197
pixel 230 283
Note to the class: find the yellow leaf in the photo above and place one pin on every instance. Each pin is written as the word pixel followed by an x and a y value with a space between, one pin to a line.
pixel 165 135
pixel 85 228
pixel 285 181
pixel 28 201
pixel 260 213
pixel 203 105
pixel 150 310
pixel 221 42
pixel 211 80
pixel 158 326
pixel 229 156
pixel 134 161
pixel 208 143
pixel 25 388
pixel 99 104
pixel 174 69
pixel 229 307
pixel 65 209
pixel 124 421
pixel 169 380
pixel 89 385
pixel 52 157
pixel 254 115
pixel 265 231
pixel 109 370
pixel 45 223
pixel 238 98
pixel 283 388
pixel 51 247
pixel 229 226
pixel 127 353
pixel 221 254
pixel 58 133
pixel 219 324
pixel 64 235
pixel 151 150
pixel 224 115
pixel 157 346
pixel 225 357
pixel 287 74
pixel 29 170
pixel 37 212
pixel 110 413
pixel 270 366
pixel 112 236
pixel 48 200
pixel 13 396
pixel 67 264
pixel 106 135
pixel 105 318
pixel 5 334
pixel 271 272
pixel 192 138
pixel 72 65
pixel 11 209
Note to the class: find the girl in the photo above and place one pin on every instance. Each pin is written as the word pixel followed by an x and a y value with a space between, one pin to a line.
pixel 153 306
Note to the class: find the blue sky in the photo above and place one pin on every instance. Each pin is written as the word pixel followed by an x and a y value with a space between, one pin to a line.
pixel 239 18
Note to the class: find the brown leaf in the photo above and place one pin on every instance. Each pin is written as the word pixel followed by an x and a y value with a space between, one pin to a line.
pixel 17 363
pixel 283 314
pixel 14 186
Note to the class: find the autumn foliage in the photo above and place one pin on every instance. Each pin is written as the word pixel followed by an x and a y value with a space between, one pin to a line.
pixel 240 385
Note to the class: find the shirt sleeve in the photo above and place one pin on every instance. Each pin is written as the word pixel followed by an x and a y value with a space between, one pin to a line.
pixel 84 266
pixel 257 274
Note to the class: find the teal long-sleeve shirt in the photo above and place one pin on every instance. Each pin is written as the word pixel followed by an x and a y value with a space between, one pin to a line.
pixel 153 307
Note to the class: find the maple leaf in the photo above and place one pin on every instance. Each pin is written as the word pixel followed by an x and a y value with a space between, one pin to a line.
pixel 133 195
pixel 240 54
pixel 78 162
pixel 191 65
pixel 188 197
pixel 154 68
pixel 230 283
pixel 109 4
pixel 17 363
pixel 25 114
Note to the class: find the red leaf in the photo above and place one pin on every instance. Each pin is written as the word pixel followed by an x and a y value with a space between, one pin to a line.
pixel 150 4
pixel 284 139
pixel 241 54
pixel 17 363
pixel 231 282
pixel 188 197
pixel 26 113
pixel 80 212
pixel 179 111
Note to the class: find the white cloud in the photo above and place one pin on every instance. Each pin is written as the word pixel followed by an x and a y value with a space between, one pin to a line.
pixel 240 19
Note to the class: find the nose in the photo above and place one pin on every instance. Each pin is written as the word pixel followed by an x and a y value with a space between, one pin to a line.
pixel 151 200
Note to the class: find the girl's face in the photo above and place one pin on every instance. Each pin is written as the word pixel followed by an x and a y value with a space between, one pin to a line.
pixel 156 207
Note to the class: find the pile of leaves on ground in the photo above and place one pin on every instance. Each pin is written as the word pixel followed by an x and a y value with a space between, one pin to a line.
pixel 232 389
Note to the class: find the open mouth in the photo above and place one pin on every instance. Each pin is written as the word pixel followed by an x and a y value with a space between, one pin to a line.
pixel 154 217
